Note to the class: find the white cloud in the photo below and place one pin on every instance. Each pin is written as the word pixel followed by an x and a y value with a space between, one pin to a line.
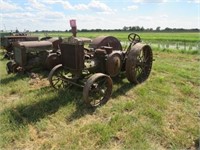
pixel 148 1
pixel 37 5
pixel 49 15
pixel 132 7
pixel 64 3
pixel 164 16
pixel 17 15
pixel 194 1
pixel 144 18
pixel 95 5
pixel 6 6
pixel 81 7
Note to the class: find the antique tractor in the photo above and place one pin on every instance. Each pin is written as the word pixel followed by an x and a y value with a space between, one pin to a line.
pixel 7 42
pixel 32 54
pixel 92 68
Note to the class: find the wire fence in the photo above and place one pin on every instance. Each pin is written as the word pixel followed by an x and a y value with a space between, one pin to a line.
pixel 176 45
pixel 172 45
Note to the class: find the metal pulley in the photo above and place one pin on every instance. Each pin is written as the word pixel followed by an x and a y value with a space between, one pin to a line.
pixel 114 63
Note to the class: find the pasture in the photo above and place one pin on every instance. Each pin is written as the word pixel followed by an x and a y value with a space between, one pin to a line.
pixel 185 42
pixel 161 113
pixel 122 35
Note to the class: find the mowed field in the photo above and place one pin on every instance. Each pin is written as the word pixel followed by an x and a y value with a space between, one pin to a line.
pixel 122 35
pixel 161 113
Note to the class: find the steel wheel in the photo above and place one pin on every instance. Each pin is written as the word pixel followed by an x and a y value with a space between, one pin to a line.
pixel 139 63
pixel 106 41
pixel 11 67
pixel 58 76
pixel 97 90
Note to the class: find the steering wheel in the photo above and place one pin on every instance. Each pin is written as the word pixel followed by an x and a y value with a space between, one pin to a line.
pixel 133 37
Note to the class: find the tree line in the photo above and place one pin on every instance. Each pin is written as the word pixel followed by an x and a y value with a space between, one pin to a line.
pixel 141 29
pixel 131 28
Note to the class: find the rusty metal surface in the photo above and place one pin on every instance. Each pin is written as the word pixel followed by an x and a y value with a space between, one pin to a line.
pixel 106 41
pixel 114 63
pixel 21 38
pixel 84 40
pixel 97 90
pixel 55 42
pixel 20 56
pixel 7 41
pixel 34 44
pixel 72 56
pixel 52 60
pixel 31 54
pixel 139 63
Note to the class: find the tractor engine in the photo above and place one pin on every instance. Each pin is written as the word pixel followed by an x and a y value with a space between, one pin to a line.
pixel 105 60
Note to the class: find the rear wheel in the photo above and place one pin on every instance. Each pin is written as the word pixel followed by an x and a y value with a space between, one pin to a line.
pixel 139 63
pixel 97 90
pixel 106 41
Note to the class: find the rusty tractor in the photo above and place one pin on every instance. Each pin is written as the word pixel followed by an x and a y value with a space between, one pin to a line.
pixel 92 68
pixel 8 40
pixel 32 54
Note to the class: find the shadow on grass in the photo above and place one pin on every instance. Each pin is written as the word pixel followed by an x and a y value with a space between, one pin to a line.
pixel 123 86
pixel 43 107
pixel 12 78
pixel 25 114
pixel 20 76
pixel 83 110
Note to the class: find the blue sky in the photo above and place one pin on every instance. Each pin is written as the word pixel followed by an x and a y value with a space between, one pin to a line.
pixel 105 14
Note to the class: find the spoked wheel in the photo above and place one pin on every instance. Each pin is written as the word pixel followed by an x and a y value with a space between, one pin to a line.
pixel 97 90
pixel 139 63
pixel 58 77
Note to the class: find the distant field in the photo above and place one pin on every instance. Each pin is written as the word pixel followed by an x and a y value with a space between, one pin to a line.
pixel 181 41
pixel 146 36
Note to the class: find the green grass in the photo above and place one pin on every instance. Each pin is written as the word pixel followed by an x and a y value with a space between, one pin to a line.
pixel 161 113
pixel 145 36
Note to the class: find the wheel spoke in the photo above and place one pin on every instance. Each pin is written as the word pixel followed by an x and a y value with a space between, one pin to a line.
pixel 55 83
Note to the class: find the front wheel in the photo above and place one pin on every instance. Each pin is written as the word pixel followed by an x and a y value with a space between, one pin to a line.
pixel 59 77
pixel 97 90
pixel 11 67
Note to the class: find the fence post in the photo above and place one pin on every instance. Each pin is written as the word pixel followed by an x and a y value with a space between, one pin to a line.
pixel 184 45
pixel 177 45
pixel 198 46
